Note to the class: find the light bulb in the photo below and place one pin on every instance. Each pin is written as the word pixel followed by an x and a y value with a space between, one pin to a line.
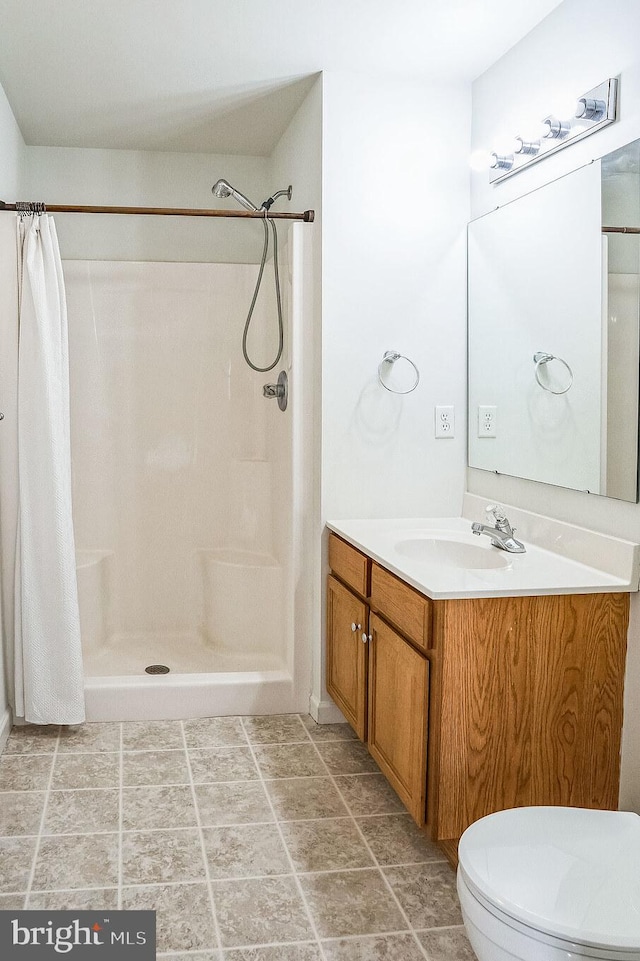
pixel 563 106
pixel 480 160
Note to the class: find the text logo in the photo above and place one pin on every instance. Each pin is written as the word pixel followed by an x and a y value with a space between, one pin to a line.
pixel 122 935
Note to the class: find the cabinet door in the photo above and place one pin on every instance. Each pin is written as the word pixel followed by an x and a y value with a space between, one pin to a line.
pixel 347 654
pixel 398 714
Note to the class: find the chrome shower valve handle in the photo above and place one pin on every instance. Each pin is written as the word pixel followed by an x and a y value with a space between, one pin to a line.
pixel 280 390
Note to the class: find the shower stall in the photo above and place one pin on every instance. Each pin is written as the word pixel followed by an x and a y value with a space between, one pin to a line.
pixel 186 493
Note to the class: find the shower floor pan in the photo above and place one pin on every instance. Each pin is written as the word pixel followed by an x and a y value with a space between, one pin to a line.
pixel 202 681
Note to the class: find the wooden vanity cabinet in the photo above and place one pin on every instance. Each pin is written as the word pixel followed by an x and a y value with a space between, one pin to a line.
pixel 377 675
pixel 347 659
pixel 475 705
pixel 398 708
pixel 529 705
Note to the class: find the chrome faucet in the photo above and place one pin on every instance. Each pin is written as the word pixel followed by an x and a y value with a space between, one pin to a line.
pixel 502 533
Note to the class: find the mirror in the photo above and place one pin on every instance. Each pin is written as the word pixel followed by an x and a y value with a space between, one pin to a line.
pixel 554 320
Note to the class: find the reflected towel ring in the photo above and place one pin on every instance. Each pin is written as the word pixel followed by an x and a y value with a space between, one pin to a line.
pixel 386 365
pixel 542 357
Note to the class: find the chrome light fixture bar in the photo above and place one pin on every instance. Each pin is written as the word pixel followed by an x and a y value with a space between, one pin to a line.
pixel 595 109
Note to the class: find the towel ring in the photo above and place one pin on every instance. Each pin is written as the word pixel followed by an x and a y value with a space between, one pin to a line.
pixel 385 366
pixel 542 357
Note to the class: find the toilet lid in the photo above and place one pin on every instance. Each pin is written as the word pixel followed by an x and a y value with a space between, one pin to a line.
pixel 568 872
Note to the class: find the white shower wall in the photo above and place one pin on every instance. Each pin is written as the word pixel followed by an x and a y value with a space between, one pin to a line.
pixel 181 469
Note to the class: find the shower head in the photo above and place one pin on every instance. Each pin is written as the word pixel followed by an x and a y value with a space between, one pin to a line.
pixel 222 189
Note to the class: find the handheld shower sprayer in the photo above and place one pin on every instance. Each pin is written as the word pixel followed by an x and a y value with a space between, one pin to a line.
pixel 223 189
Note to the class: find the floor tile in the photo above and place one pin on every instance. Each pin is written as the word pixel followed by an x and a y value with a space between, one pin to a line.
pixel 165 806
pixel 236 803
pixel 450 944
pixel 154 767
pixel 325 845
pixel 93 736
pixel 80 861
pixel 152 735
pixel 351 902
pixel 284 952
pixel 368 794
pixel 289 760
pixel 184 921
pixel 23 773
pixel 72 771
pixel 275 729
pixel 303 798
pixel 396 839
pixel 328 732
pixel 12 902
pixel 214 732
pixel 33 739
pixel 390 947
pixel 76 812
pixel 347 757
pixel 158 857
pixel 198 956
pixel 262 916
pixel 93 899
pixel 222 764
pixel 260 911
pixel 21 813
pixel 427 893
pixel 249 850
pixel 16 858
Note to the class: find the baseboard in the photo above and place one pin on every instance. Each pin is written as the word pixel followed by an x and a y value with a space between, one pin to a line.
pixel 325 712
pixel 5 728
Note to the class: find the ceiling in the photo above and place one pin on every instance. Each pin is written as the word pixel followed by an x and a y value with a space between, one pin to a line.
pixel 225 76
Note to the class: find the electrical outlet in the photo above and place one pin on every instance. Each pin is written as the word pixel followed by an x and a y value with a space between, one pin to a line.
pixel 487 420
pixel 445 421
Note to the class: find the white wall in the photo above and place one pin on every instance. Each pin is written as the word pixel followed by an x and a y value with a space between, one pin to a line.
pixel 395 207
pixel 394 216
pixel 576 47
pixel 146 178
pixel 11 167
pixel 12 150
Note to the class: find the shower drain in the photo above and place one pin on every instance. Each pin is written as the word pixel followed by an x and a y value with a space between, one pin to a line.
pixel 157 669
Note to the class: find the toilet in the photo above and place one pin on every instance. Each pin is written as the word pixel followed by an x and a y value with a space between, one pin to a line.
pixel 552 884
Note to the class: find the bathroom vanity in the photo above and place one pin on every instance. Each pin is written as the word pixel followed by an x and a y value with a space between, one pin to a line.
pixel 478 681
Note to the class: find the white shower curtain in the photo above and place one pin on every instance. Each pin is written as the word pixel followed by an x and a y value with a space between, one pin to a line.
pixel 48 673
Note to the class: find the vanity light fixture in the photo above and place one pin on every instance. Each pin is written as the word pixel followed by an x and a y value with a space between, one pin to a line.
pixel 522 146
pixel 555 129
pixel 597 108
pixel 591 109
pixel 500 161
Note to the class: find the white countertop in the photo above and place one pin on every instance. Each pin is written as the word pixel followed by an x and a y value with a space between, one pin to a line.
pixel 540 570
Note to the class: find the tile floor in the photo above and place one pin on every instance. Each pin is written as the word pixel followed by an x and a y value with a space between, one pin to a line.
pixel 254 839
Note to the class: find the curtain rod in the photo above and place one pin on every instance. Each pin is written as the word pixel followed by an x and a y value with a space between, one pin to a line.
pixel 307 216
pixel 621 230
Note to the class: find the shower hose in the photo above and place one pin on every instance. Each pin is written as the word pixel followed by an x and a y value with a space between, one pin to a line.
pixel 245 334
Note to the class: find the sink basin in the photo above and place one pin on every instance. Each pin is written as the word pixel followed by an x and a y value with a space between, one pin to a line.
pixel 453 553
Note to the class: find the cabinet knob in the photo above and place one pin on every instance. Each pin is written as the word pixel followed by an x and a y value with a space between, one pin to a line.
pixel 356 627
pixel 366 637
